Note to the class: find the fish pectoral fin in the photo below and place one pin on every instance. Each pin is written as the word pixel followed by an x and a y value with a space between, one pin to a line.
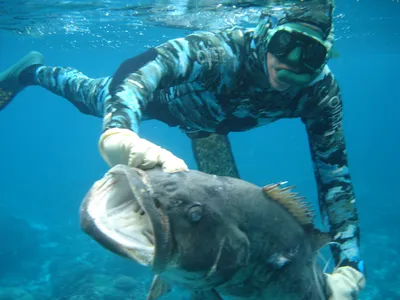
pixel 205 295
pixel 158 288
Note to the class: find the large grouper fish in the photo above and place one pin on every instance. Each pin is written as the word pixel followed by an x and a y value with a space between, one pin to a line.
pixel 214 236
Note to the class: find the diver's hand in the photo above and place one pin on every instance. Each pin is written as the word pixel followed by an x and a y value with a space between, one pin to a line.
pixel 345 283
pixel 123 146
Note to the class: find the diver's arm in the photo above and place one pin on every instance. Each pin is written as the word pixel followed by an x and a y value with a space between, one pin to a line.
pixel 132 88
pixel 130 91
pixel 329 155
pixel 172 63
pixel 335 189
pixel 201 57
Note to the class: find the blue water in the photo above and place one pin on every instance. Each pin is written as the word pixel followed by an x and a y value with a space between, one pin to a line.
pixel 49 159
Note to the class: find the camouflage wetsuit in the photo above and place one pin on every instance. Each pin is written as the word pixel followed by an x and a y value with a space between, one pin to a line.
pixel 214 82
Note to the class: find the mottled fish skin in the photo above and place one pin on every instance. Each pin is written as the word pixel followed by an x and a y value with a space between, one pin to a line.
pixel 230 237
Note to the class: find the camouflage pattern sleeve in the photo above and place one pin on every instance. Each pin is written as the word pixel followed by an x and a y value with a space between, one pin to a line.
pixel 177 61
pixel 335 190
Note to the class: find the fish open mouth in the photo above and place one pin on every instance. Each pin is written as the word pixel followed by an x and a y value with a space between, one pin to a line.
pixel 117 217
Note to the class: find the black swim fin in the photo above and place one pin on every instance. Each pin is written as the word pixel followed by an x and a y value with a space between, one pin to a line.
pixel 10 84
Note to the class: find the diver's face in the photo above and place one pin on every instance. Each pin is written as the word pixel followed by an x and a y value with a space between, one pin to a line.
pixel 299 55
pixel 274 65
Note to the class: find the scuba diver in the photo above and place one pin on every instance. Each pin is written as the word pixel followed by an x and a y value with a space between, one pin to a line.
pixel 211 83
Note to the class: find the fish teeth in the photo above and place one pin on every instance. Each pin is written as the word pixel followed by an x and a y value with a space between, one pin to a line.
pixel 137 208
pixel 149 235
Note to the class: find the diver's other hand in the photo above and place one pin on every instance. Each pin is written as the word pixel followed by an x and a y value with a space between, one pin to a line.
pixel 123 146
pixel 345 283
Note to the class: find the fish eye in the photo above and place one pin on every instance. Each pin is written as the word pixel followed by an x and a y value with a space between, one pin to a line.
pixel 195 213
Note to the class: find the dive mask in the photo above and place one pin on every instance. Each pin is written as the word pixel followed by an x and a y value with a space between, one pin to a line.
pixel 308 54
pixel 301 47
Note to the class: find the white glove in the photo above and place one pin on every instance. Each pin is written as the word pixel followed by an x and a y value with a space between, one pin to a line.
pixel 345 283
pixel 123 146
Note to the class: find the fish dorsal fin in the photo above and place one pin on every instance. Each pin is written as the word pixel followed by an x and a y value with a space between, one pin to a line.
pixel 158 288
pixel 293 203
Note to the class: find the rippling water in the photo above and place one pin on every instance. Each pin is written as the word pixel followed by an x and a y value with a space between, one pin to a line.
pixel 117 23
pixel 49 17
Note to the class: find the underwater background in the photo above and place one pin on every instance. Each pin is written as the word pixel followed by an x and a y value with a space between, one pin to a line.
pixel 49 155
